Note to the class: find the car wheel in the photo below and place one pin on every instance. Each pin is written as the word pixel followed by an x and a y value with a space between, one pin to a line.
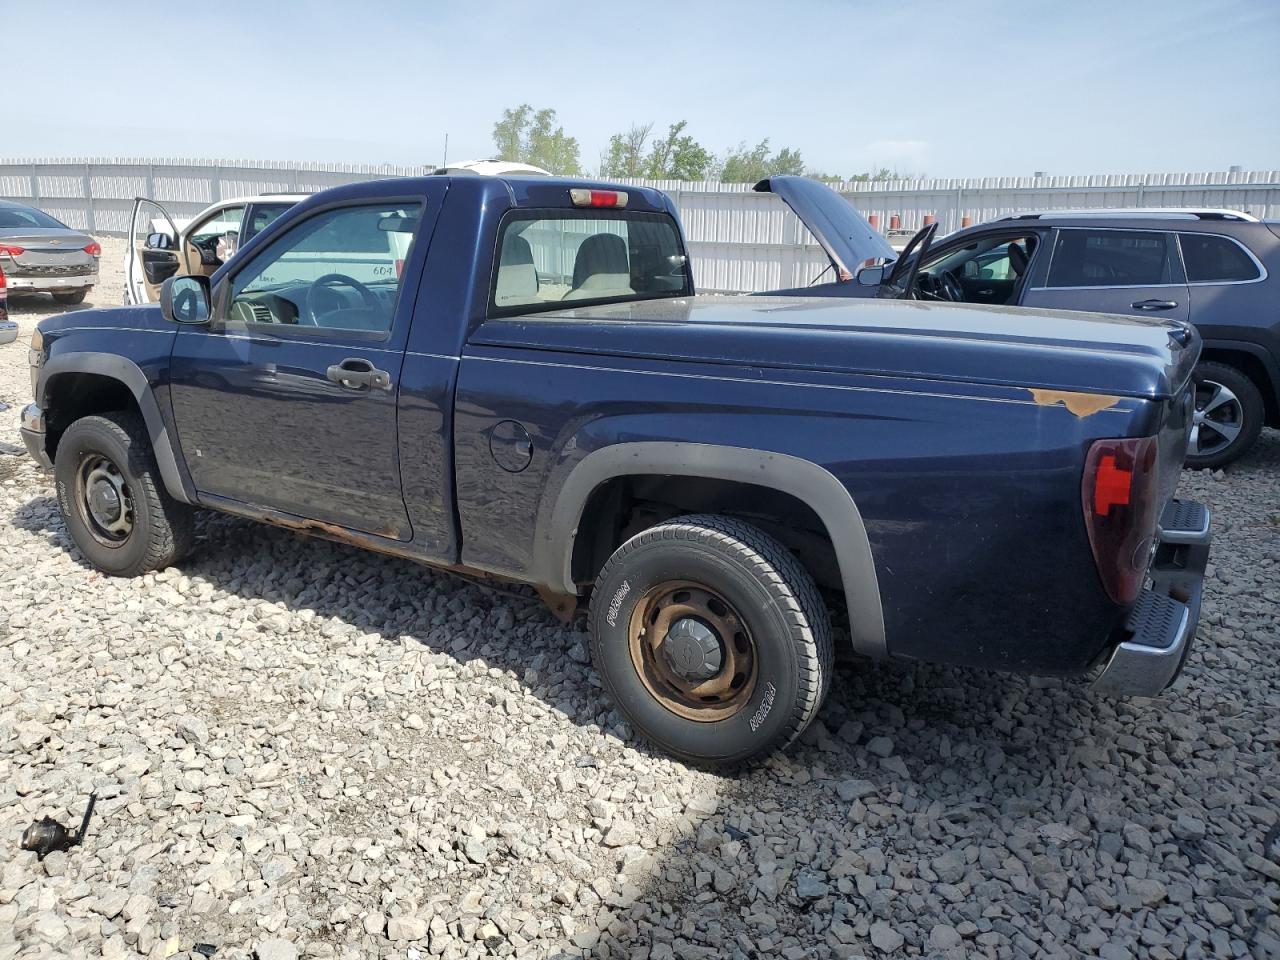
pixel 1228 416
pixel 112 500
pixel 72 296
pixel 712 639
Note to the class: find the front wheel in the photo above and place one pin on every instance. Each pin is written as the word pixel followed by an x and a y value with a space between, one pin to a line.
pixel 1228 416
pixel 712 639
pixel 71 296
pixel 112 499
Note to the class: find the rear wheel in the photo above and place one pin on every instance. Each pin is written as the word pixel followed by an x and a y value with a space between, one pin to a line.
pixel 712 639
pixel 112 500
pixel 71 296
pixel 1228 416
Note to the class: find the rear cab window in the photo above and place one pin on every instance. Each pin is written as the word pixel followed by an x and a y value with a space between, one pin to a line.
pixel 1111 258
pixel 550 257
pixel 1209 258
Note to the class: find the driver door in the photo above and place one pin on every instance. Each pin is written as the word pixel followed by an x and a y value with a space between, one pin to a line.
pixel 152 256
pixel 287 401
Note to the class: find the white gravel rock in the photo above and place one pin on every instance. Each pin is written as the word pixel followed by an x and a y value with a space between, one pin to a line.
pixel 303 748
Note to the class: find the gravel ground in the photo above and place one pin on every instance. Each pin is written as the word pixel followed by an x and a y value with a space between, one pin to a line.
pixel 300 749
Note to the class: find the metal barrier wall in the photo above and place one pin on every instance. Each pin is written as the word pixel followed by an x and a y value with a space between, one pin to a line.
pixel 739 240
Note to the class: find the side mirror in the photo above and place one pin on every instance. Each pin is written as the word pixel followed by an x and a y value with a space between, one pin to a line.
pixel 871 276
pixel 185 299
pixel 159 241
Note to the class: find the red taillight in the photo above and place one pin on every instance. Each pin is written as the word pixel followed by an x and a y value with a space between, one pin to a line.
pixel 3 282
pixel 9 250
pixel 94 250
pixel 1112 485
pixel 598 198
pixel 1120 492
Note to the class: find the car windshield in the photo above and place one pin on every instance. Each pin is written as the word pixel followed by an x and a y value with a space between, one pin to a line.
pixel 21 218
pixel 554 256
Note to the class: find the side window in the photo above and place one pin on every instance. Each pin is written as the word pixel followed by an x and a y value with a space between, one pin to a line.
pixel 1110 258
pixel 219 235
pixel 992 265
pixel 1211 259
pixel 338 270
pixel 563 256
pixel 260 217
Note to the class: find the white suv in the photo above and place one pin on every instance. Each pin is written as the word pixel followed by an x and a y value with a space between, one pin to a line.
pixel 161 247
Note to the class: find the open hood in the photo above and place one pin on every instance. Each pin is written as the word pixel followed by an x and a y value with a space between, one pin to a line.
pixel 845 236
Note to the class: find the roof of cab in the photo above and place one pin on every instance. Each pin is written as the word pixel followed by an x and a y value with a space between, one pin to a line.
pixel 528 192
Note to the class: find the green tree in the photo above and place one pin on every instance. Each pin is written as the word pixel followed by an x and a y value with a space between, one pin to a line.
pixel 884 173
pixel 625 156
pixel 745 164
pixel 524 135
pixel 677 156
pixel 876 176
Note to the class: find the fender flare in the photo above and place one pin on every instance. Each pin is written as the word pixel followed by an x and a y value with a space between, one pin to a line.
pixel 802 479
pixel 130 374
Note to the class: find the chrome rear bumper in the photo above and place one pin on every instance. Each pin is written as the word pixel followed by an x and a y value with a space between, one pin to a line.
pixel 1161 627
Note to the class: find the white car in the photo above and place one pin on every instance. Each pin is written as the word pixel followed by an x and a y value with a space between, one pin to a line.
pixel 161 246
pixel 492 168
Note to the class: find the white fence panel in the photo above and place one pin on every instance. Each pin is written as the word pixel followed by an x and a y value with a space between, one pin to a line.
pixel 738 239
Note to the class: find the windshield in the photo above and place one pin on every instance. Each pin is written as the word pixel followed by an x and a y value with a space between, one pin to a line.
pixel 26 217
pixel 548 257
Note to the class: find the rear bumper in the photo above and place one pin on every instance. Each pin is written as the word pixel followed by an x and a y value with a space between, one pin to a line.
pixel 50 284
pixel 33 435
pixel 8 329
pixel 1160 629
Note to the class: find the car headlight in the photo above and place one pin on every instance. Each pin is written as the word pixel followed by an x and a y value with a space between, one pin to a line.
pixel 35 358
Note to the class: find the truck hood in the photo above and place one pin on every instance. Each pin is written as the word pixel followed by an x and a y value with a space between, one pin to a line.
pixel 844 235
pixel 130 318
pixel 964 343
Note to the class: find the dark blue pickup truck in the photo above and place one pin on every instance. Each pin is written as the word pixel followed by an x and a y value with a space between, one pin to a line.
pixel 513 377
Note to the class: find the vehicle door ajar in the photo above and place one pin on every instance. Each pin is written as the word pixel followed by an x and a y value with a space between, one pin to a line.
pixel 152 256
pixel 287 401
pixel 1113 270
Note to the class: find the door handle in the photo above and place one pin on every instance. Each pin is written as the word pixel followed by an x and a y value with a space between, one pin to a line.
pixel 1154 304
pixel 356 372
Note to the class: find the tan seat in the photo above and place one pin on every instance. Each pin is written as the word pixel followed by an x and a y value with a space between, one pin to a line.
pixel 601 268
pixel 517 277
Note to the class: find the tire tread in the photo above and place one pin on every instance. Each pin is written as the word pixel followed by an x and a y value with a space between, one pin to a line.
pixel 783 576
pixel 172 524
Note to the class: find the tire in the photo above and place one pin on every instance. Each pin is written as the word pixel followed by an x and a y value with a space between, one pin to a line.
pixel 1241 415
pixel 781 657
pixel 113 450
pixel 72 296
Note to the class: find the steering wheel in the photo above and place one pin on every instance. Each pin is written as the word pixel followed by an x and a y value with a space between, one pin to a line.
pixel 310 313
pixel 949 287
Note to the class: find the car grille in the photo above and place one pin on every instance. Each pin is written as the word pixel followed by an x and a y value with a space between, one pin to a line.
pixel 70 270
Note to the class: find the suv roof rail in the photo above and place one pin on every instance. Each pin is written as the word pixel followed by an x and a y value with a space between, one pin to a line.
pixel 286 193
pixel 1155 213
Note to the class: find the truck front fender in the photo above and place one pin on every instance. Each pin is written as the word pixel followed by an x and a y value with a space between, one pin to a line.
pixel 563 507
pixel 128 373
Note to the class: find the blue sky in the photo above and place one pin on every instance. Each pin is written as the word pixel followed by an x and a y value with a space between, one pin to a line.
pixel 977 88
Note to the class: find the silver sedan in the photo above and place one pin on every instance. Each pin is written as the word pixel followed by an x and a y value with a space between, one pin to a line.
pixel 39 254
